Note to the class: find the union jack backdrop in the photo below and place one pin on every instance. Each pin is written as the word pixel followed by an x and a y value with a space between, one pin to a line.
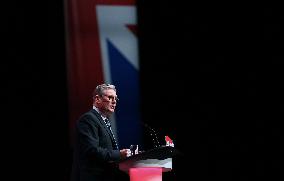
pixel 102 46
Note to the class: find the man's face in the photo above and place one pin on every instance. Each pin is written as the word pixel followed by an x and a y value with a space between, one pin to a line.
pixel 107 102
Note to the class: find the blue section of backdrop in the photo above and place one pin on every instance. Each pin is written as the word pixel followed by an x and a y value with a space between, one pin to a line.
pixel 128 112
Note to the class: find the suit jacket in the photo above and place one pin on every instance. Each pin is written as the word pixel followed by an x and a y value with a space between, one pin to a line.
pixel 93 155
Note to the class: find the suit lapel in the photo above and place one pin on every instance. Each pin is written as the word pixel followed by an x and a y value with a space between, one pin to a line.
pixel 102 123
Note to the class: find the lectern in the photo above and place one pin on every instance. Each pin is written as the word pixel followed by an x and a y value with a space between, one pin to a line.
pixel 149 165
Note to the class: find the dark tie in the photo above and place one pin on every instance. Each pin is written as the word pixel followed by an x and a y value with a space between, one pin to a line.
pixel 109 127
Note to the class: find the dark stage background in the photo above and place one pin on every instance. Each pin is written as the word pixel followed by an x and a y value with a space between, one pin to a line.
pixel 211 79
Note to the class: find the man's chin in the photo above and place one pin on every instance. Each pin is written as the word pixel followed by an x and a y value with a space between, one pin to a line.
pixel 111 111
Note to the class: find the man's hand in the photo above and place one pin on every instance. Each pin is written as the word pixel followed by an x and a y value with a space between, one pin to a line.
pixel 125 153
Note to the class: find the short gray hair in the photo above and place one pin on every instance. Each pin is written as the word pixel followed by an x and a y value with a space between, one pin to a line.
pixel 99 90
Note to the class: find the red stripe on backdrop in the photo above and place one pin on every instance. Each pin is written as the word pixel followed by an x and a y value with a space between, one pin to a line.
pixel 84 66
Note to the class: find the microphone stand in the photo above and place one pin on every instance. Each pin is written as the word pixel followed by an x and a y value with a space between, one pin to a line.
pixel 153 135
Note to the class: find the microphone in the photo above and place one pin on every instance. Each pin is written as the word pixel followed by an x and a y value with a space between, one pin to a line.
pixel 153 135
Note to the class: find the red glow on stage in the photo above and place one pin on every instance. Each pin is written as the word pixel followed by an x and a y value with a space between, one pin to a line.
pixel 146 174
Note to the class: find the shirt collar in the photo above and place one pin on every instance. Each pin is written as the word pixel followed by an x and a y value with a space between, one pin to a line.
pixel 103 117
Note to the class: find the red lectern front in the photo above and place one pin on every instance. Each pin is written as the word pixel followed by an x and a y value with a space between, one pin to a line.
pixel 149 165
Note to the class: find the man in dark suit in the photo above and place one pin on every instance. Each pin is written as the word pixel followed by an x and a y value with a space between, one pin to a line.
pixel 96 148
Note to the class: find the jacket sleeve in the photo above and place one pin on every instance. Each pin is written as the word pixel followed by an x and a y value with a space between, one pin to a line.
pixel 94 142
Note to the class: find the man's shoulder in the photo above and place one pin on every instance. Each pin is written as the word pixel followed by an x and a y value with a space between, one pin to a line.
pixel 90 115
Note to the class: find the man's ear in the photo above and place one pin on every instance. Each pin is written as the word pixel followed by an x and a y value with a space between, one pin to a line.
pixel 96 98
